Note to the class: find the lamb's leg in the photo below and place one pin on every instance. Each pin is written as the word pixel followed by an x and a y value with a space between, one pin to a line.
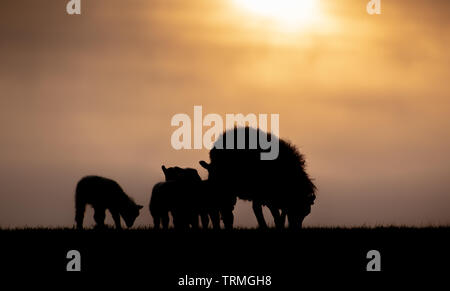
pixel 205 219
pixel 116 218
pixel 257 209
pixel 283 217
pixel 178 220
pixel 227 203
pixel 156 221
pixel 165 220
pixel 99 217
pixel 194 220
pixel 215 219
pixel 79 214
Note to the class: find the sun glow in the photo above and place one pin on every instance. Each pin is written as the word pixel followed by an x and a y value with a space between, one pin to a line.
pixel 288 13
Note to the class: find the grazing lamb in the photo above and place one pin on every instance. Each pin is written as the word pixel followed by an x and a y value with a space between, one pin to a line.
pixel 182 195
pixel 102 193
pixel 280 184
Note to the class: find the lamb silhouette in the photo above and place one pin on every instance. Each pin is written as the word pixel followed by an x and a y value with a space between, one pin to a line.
pixel 182 195
pixel 102 193
pixel 280 184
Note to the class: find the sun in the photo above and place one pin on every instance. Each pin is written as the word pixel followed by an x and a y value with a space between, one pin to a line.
pixel 289 13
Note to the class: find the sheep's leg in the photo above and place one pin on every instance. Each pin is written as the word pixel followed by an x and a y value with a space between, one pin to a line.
pixel 300 222
pixel 257 209
pixel 279 220
pixel 295 221
pixel 228 218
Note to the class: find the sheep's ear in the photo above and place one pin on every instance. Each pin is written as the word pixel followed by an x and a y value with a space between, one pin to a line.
pixel 164 169
pixel 140 207
pixel 204 164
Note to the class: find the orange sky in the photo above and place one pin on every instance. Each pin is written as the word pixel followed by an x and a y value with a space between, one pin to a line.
pixel 365 98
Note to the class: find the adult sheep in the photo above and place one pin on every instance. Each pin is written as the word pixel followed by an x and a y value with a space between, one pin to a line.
pixel 281 184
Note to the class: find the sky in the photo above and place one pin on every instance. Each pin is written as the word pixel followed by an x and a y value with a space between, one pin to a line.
pixel 364 97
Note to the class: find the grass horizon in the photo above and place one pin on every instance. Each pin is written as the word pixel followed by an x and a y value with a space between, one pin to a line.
pixel 238 229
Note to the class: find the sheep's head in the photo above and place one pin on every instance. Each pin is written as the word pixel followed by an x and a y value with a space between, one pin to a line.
pixel 212 173
pixel 205 165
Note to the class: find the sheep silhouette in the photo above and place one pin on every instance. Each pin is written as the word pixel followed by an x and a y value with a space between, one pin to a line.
pixel 102 194
pixel 182 195
pixel 280 184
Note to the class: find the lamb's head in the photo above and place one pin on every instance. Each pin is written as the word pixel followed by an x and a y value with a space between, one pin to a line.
pixel 171 173
pixel 181 174
pixel 130 213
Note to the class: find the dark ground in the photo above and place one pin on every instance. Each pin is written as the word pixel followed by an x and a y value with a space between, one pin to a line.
pixel 164 256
